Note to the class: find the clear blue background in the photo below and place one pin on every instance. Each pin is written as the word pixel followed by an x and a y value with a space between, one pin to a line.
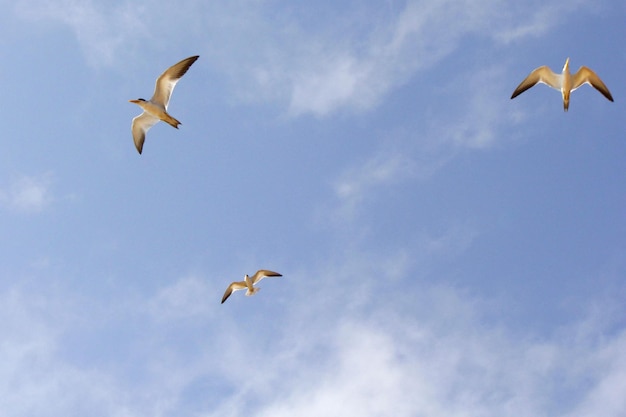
pixel 446 251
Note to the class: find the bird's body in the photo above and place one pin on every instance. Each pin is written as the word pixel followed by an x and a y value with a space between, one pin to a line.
pixel 155 109
pixel 565 82
pixel 248 283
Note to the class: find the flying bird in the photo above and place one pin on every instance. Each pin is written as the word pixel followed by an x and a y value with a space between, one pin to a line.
pixel 248 283
pixel 564 82
pixel 155 109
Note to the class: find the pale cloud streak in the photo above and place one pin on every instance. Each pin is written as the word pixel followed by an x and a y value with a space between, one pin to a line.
pixel 27 194
pixel 103 30
pixel 480 121
pixel 451 364
pixel 36 380
pixel 281 52
pixel 354 185
pixel 379 50
pixel 187 298
pixel 322 354
pixel 475 122
pixel 539 20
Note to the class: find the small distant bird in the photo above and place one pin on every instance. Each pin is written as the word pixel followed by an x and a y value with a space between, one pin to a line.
pixel 248 283
pixel 564 82
pixel 155 109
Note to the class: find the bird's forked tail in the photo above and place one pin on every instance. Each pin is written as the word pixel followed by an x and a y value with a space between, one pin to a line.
pixel 170 120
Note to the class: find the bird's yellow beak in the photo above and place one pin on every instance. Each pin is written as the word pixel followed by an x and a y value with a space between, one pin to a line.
pixel 133 101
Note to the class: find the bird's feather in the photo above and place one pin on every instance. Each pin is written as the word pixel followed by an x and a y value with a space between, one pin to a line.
pixel 585 75
pixel 141 124
pixel 540 75
pixel 167 81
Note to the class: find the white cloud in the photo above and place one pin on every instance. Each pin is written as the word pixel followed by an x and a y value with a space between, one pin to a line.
pixel 347 60
pixel 35 380
pixel 539 20
pixel 367 180
pixel 27 193
pixel 422 350
pixel 476 121
pixel 480 119
pixel 319 71
pixel 403 365
pixel 354 185
pixel 186 298
pixel 103 29
pixel 331 84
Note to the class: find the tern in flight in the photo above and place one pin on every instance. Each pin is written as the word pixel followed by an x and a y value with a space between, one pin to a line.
pixel 248 283
pixel 155 109
pixel 565 82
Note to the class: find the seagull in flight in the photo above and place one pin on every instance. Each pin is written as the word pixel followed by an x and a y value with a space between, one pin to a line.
pixel 248 283
pixel 564 82
pixel 155 109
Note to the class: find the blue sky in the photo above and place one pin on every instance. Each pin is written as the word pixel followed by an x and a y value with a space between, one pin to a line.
pixel 446 251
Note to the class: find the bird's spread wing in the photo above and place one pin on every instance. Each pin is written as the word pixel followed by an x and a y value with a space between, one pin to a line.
pixel 585 75
pixel 539 75
pixel 140 126
pixel 238 285
pixel 167 81
pixel 262 273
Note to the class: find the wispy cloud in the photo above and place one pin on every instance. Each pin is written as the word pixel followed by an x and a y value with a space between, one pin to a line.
pixel 349 60
pixel 354 185
pixel 27 193
pixel 102 30
pixel 380 49
pixel 538 21
pixel 453 364
pixel 327 355
pixel 188 297
pixel 37 380
pixel 480 120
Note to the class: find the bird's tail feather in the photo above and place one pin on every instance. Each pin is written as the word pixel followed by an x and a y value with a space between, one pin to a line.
pixel 252 291
pixel 170 120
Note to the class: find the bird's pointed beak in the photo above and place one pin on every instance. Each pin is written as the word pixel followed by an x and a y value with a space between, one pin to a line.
pixel 133 101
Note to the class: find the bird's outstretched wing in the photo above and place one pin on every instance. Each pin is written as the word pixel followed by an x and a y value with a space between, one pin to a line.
pixel 586 76
pixel 234 286
pixel 167 81
pixel 262 273
pixel 540 75
pixel 140 126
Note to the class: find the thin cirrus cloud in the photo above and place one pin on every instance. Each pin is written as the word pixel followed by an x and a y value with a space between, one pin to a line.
pixel 27 194
pixel 355 184
pixel 476 124
pixel 450 362
pixel 188 297
pixel 103 31
pixel 325 74
pixel 356 360
pixel 467 372
pixel 299 63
